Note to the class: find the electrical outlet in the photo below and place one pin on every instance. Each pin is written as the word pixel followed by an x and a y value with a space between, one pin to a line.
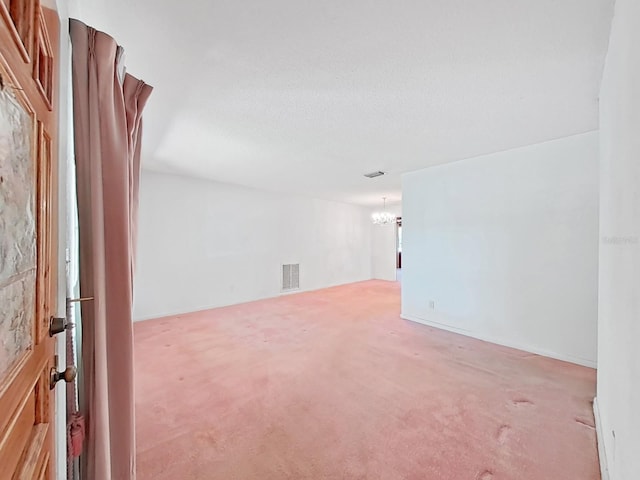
pixel 432 304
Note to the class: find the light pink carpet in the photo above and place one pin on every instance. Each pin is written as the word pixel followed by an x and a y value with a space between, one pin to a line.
pixel 334 385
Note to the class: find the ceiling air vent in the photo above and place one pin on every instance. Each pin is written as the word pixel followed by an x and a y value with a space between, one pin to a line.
pixel 290 277
pixel 374 174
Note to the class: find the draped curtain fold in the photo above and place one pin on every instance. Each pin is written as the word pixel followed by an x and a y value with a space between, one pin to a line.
pixel 107 107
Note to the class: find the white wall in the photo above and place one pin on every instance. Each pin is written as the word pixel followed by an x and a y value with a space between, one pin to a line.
pixel 618 396
pixel 506 246
pixel 204 244
pixel 383 247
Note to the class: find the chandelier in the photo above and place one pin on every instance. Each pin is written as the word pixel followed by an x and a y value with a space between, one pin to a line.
pixel 383 217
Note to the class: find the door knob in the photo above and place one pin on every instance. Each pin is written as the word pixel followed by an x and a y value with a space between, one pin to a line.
pixel 68 375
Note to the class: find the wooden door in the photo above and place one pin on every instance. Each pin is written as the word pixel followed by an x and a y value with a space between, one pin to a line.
pixel 28 234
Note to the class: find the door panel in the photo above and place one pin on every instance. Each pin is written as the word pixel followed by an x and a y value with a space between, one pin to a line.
pixel 28 233
pixel 18 239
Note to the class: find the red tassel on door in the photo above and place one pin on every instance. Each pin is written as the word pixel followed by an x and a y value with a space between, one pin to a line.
pixel 76 435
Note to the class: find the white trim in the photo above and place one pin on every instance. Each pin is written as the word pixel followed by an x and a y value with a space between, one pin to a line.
pixel 175 313
pixel 602 453
pixel 487 338
pixel 204 308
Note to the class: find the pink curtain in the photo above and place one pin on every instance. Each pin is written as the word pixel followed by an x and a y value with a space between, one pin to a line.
pixel 108 108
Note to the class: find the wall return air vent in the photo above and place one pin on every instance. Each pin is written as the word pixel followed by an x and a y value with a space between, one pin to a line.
pixel 290 277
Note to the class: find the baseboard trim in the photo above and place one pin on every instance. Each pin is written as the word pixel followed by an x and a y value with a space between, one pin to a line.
pixel 204 308
pixel 602 453
pixel 487 338
pixel 176 313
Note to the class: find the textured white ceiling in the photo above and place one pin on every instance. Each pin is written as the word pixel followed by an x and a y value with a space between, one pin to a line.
pixel 306 96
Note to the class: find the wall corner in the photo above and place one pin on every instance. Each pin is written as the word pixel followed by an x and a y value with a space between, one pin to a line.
pixel 602 453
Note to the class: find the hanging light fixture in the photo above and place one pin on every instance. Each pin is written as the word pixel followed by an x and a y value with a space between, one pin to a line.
pixel 383 217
